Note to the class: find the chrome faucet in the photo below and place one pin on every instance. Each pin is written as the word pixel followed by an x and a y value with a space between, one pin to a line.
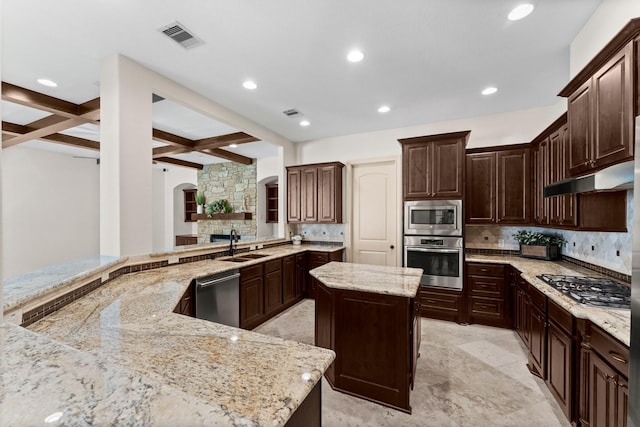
pixel 233 241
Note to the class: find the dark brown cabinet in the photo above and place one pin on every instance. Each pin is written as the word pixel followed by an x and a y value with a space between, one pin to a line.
pixel 540 165
pixel 601 113
pixel 271 203
pixel 289 291
pixel 522 310
pixel 187 239
pixel 314 193
pixel 498 186
pixel 375 340
pixel 561 358
pixel 441 304
pixel 301 274
pixel 190 205
pixel 272 286
pixel 433 166
pixel 537 332
pixel 186 306
pixel 488 295
pixel 251 296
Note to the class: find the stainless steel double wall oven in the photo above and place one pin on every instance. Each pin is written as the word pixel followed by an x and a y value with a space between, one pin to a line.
pixel 433 241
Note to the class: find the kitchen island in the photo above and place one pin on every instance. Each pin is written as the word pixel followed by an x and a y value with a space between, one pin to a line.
pixel 119 355
pixel 368 316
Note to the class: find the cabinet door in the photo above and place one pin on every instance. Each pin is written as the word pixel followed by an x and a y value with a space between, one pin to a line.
pixel 416 338
pixel 513 186
pixel 417 164
pixel 309 195
pixel 330 194
pixel 481 188
pixel 555 175
pixel 301 274
pixel 448 169
pixel 538 339
pixel 622 400
pixel 541 181
pixel 613 110
pixel 602 393
pixel 580 129
pixel 289 279
pixel 294 188
pixel 569 202
pixel 559 368
pixel 251 302
pixel 272 291
pixel 522 314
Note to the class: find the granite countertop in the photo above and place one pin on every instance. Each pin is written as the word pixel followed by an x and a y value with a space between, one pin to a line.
pixel 398 281
pixel 120 355
pixel 615 321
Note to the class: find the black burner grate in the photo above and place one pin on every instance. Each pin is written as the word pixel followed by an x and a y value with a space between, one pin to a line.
pixel 591 290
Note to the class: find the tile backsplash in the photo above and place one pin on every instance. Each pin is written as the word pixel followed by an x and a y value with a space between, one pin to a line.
pixel 319 232
pixel 609 250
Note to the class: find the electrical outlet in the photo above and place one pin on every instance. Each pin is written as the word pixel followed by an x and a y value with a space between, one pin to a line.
pixel 617 253
pixel 260 246
pixel 174 260
pixel 501 243
pixel 486 238
pixel 105 276
pixel 593 248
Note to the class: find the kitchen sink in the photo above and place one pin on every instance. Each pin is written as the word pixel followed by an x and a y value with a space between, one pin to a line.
pixel 235 259
pixel 253 256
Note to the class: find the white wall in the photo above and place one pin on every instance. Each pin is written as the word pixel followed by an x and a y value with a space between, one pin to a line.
pixel 181 177
pixel 606 21
pixel 180 226
pixel 158 222
pixel 48 199
pixel 486 131
pixel 271 170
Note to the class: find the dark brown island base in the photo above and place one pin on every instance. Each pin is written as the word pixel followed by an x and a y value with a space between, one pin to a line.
pixel 368 316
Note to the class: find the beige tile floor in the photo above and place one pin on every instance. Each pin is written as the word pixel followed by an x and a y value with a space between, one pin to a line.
pixel 466 376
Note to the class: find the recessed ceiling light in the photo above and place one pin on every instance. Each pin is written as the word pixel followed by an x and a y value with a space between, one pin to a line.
pixel 47 82
pixel 305 123
pixel 384 109
pixel 233 145
pixel 520 12
pixel 355 56
pixel 249 84
pixel 489 90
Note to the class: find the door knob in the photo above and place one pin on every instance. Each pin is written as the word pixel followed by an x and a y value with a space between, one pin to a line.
pixel 392 247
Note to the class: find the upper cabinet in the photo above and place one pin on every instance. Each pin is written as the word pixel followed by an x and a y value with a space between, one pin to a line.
pixel 314 193
pixel 498 186
pixel 601 106
pixel 433 166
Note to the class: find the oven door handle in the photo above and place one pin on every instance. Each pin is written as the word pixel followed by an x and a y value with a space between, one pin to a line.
pixel 446 251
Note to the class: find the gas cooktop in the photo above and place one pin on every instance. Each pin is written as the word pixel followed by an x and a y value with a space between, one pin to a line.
pixel 591 291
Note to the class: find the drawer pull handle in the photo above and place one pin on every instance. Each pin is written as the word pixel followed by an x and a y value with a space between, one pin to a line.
pixel 617 357
pixel 484 270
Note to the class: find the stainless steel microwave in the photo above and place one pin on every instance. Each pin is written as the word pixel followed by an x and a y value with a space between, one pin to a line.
pixel 433 217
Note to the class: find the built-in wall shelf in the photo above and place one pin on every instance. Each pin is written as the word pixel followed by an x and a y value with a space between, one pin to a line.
pixel 222 216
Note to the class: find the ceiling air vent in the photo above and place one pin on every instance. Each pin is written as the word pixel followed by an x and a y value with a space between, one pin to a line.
pixel 178 33
pixel 293 113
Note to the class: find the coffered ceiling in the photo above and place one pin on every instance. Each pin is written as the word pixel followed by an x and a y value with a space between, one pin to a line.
pixel 427 60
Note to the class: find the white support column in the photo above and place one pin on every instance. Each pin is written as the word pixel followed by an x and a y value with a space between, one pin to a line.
pixel 125 159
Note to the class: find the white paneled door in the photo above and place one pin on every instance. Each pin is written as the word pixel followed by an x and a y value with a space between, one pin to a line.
pixel 375 213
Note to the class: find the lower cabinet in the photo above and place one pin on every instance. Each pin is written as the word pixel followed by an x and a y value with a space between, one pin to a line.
pixel 522 311
pixel 487 294
pixel 317 259
pixel 186 305
pixel 301 274
pixel 537 341
pixel 560 378
pixel 251 296
pixel 272 286
pixel 443 304
pixel 289 293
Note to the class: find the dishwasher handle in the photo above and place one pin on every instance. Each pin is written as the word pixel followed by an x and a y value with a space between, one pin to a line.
pixel 206 283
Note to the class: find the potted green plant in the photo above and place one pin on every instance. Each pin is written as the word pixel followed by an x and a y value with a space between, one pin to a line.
pixel 200 202
pixel 219 206
pixel 538 245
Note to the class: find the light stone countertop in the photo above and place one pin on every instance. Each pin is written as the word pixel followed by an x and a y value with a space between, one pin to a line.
pixel 615 321
pixel 398 281
pixel 120 351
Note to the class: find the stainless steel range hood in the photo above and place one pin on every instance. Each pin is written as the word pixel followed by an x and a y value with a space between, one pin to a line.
pixel 616 177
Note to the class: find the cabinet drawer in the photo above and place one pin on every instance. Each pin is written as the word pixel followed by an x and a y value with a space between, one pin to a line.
pixel 487 307
pixel 438 301
pixel 560 316
pixel 611 350
pixel 492 287
pixel 337 255
pixel 538 299
pixel 251 272
pixel 273 265
pixel 493 270
pixel 318 257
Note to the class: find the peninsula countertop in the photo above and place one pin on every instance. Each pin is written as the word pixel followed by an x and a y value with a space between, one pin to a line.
pixel 615 321
pixel 398 281
pixel 121 349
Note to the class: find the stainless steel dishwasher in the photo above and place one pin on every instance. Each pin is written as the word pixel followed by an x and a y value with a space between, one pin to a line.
pixel 218 298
